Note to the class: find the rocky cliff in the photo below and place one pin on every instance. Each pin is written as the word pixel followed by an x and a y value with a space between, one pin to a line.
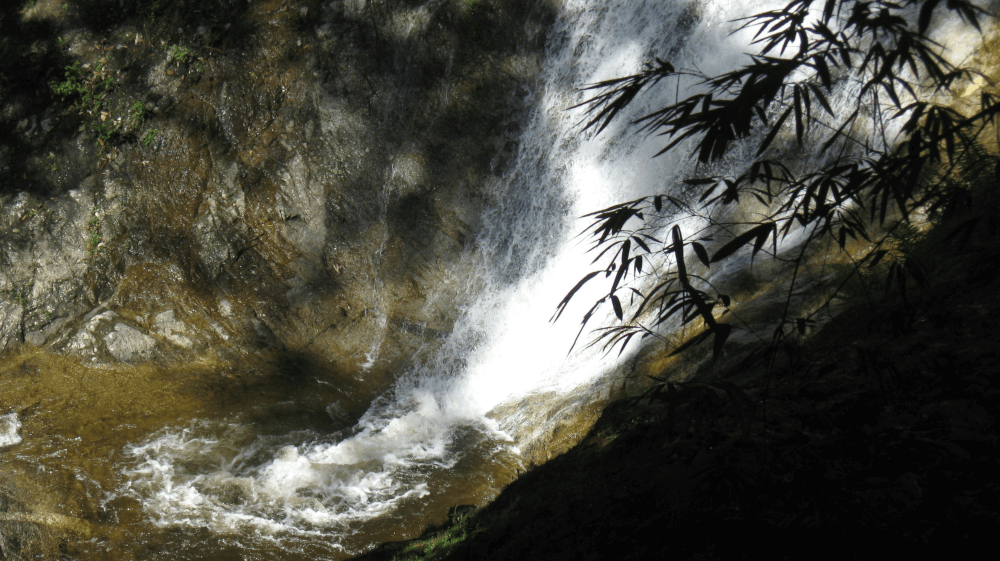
pixel 212 180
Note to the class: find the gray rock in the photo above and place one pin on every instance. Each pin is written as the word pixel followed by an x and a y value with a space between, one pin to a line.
pixel 49 259
pixel 172 330
pixel 220 331
pixel 34 338
pixel 128 344
pixel 84 342
pixel 54 327
pixel 264 334
pixel 11 314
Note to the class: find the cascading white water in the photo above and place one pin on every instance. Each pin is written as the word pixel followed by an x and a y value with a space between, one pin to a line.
pixel 502 349
pixel 10 423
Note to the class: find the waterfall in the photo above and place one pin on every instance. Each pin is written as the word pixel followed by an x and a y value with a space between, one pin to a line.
pixel 438 431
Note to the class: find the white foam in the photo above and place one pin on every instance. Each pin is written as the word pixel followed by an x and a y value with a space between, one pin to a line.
pixel 221 476
pixel 9 425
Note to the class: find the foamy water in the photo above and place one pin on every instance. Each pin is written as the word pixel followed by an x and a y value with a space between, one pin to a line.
pixel 10 424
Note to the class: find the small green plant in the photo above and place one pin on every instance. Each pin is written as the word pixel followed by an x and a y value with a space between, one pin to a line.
pixel 62 42
pixel 29 5
pixel 17 297
pixel 425 549
pixel 180 54
pixel 72 85
pixel 149 138
pixel 52 167
pixel 136 114
pixel 105 131
pixel 94 239
pixel 152 12
pixel 94 245
pixel 88 88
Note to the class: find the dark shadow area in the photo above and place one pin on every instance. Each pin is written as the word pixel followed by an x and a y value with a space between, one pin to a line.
pixel 877 435
pixel 43 151
pixel 30 57
pixel 161 17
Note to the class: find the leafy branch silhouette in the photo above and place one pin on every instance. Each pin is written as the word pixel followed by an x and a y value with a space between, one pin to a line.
pixel 898 149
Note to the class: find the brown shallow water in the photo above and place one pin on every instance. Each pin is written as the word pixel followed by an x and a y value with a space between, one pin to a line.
pixel 68 479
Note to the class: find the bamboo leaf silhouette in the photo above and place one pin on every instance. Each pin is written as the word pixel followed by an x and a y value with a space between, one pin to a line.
pixel 775 129
pixel 860 182
pixel 739 241
pixel 699 250
pixel 565 301
pixel 692 342
pixel 721 332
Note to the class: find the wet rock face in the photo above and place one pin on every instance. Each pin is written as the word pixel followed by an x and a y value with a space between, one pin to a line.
pixel 43 266
pixel 11 316
pixel 127 343
pixel 290 176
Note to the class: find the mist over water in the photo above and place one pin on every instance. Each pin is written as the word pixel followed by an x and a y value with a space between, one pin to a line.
pixel 434 431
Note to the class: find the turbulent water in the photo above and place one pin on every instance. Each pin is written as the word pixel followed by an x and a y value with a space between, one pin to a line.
pixel 434 433
pixel 9 425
